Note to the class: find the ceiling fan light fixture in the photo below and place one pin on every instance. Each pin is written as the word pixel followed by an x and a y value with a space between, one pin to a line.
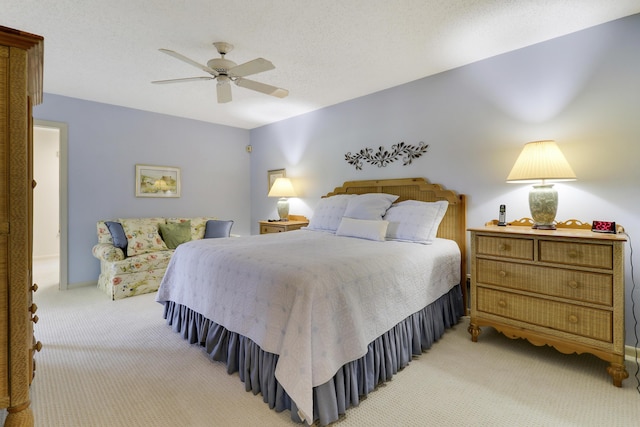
pixel 226 71
pixel 221 65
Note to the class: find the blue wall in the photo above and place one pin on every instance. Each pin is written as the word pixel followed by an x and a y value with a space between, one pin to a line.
pixel 105 143
pixel 583 90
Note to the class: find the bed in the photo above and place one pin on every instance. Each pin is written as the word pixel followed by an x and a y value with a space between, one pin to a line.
pixel 314 320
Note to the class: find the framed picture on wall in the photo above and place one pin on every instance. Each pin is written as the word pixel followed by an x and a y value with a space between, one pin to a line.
pixel 157 181
pixel 274 174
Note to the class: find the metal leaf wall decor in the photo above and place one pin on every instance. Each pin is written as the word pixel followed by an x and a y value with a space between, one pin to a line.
pixel 382 157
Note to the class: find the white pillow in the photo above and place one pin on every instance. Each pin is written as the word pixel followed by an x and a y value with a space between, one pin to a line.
pixel 369 206
pixel 329 212
pixel 415 221
pixel 363 228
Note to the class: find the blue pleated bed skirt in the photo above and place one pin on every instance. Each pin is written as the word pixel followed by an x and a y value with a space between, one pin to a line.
pixel 386 355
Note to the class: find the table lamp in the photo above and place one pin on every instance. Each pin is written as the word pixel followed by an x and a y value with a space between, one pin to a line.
pixel 540 162
pixel 282 188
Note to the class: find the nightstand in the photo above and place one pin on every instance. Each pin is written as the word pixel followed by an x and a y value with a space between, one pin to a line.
pixel 563 288
pixel 295 222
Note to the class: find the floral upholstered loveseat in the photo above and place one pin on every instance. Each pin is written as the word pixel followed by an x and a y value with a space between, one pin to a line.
pixel 135 252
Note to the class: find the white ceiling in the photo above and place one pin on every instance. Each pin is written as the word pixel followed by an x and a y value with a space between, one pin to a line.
pixel 325 51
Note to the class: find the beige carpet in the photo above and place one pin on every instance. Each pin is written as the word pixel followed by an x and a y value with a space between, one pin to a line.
pixel 115 364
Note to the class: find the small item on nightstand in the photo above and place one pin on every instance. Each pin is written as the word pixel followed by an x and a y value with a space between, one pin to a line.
pixel 502 217
pixel 604 227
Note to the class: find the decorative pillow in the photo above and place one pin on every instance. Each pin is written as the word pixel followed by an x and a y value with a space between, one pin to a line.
pixel 363 228
pixel 217 228
pixel 176 233
pixel 369 206
pixel 142 235
pixel 415 221
pixel 197 225
pixel 329 212
pixel 117 235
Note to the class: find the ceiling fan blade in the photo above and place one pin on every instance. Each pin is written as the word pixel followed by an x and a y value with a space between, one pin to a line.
pixel 258 65
pixel 261 87
pixel 189 61
pixel 224 91
pixel 187 79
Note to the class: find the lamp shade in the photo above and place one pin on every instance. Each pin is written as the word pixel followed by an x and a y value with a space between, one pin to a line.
pixel 541 160
pixel 282 188
pixel 538 162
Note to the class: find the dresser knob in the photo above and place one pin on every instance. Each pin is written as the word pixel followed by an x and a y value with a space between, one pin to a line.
pixel 34 287
pixel 572 254
pixel 37 346
pixel 33 308
pixel 502 273
pixel 35 319
pixel 573 284
pixel 502 303
pixel 573 319
pixel 502 247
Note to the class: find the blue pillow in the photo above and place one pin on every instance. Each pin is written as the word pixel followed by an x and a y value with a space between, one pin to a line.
pixel 117 235
pixel 216 228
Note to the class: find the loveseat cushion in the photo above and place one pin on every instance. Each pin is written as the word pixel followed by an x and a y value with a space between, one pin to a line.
pixel 175 234
pixel 142 235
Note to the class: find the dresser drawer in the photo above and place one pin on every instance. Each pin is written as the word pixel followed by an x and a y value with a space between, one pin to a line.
pixel 507 247
pixel 575 285
pixel 265 229
pixel 583 321
pixel 581 254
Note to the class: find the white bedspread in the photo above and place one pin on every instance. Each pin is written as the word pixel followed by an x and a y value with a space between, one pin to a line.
pixel 315 299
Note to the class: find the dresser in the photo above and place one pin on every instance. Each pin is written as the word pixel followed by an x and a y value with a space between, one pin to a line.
pixel 295 222
pixel 21 56
pixel 563 288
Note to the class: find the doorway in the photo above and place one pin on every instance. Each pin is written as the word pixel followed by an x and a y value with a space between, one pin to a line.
pixel 50 232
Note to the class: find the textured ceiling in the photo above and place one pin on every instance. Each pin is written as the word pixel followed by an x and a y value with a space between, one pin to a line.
pixel 325 51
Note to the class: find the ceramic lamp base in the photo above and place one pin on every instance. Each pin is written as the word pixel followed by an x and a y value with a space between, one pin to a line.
pixel 283 209
pixel 543 203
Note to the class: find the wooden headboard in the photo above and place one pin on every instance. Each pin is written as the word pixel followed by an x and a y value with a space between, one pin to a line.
pixel 453 225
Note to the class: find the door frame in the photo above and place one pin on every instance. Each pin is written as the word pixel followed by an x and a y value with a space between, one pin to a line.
pixel 63 203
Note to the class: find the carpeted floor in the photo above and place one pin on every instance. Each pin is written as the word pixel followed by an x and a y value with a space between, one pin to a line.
pixel 113 364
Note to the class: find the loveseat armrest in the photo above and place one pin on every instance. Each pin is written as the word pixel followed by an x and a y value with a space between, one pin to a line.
pixel 107 252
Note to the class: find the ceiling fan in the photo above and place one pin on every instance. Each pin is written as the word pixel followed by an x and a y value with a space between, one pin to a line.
pixel 226 71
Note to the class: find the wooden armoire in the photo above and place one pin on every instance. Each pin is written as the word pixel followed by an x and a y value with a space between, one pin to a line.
pixel 21 65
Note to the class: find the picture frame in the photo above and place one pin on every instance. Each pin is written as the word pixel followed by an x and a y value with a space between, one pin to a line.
pixel 157 181
pixel 274 174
